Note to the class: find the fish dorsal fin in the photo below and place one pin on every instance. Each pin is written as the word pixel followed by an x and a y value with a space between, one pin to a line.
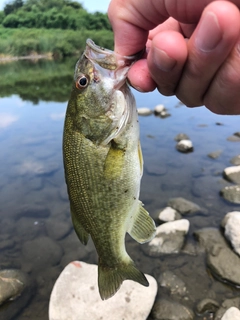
pixel 143 227
pixel 79 229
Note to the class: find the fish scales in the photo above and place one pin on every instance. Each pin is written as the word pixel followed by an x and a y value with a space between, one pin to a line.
pixel 103 165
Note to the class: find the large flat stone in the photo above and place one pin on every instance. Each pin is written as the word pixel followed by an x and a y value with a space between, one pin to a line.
pixel 75 296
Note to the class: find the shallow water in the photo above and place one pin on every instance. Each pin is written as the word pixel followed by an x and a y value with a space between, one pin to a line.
pixel 34 204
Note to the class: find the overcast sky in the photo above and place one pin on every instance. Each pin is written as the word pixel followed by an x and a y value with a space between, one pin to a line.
pixel 90 5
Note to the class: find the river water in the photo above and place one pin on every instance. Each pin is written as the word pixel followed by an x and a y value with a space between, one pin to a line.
pixel 35 224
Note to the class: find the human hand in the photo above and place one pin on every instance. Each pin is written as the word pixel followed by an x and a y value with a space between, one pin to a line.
pixel 192 49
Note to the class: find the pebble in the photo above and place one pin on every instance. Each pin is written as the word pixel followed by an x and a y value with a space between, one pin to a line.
pixel 144 111
pixel 183 205
pixel 234 138
pixel 215 154
pixel 226 305
pixel 164 309
pixel 231 314
pixel 231 223
pixel 169 238
pixel 232 174
pixel 159 109
pixel 207 305
pixel 231 193
pixel 181 136
pixel 185 146
pixel 235 160
pixel 80 298
pixel 169 214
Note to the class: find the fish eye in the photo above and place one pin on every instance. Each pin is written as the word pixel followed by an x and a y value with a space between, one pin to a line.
pixel 82 82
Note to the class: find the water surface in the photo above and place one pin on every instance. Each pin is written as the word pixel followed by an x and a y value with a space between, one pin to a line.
pixel 33 200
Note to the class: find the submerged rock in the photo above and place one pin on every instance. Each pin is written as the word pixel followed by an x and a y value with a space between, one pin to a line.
pixel 231 193
pixel 80 298
pixel 144 111
pixel 231 223
pixel 221 260
pixel 181 136
pixel 169 238
pixel 40 253
pixel 185 146
pixel 232 174
pixel 172 282
pixel 171 310
pixel 234 138
pixel 169 214
pixel 235 160
pixel 214 154
pixel 16 290
pixel 12 283
pixel 58 229
pixel 183 206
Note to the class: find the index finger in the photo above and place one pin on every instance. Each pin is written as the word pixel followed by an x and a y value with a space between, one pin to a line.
pixel 133 19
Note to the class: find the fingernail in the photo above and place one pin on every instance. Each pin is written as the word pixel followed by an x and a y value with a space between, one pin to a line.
pixel 209 33
pixel 162 60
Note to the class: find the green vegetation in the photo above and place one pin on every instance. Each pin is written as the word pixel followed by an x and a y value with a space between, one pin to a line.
pixel 60 27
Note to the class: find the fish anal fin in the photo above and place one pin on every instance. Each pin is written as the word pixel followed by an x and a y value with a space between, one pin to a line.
pixel 111 278
pixel 143 227
pixel 79 229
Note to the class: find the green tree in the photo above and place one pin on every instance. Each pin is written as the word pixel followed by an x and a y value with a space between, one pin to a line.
pixel 12 6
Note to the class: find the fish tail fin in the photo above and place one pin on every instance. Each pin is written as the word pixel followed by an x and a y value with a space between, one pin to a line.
pixel 110 279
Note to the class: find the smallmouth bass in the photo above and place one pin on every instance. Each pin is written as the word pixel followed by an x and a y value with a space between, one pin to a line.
pixel 103 165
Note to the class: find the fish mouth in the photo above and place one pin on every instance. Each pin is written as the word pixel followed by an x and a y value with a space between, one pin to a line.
pixel 111 63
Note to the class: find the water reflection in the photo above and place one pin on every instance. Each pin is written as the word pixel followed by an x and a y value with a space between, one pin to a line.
pixel 36 232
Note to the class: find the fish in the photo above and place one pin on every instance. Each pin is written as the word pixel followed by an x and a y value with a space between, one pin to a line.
pixel 103 165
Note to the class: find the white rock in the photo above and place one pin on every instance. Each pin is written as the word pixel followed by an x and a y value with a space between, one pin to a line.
pixel 159 108
pixel 144 111
pixel 167 214
pixel 169 237
pixel 184 145
pixel 231 223
pixel 232 313
pixel 75 296
pixel 173 226
pixel 232 169
pixel 232 173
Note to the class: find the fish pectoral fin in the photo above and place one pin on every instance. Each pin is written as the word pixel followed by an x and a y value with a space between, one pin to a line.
pixel 143 228
pixel 82 234
pixel 111 278
pixel 114 162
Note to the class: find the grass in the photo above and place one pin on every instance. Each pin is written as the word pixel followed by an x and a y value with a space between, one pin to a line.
pixel 60 43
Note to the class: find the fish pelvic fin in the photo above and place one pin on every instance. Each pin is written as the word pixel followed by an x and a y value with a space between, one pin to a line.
pixel 111 278
pixel 79 229
pixel 143 228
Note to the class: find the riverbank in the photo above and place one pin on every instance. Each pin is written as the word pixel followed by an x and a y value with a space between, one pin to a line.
pixel 24 42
